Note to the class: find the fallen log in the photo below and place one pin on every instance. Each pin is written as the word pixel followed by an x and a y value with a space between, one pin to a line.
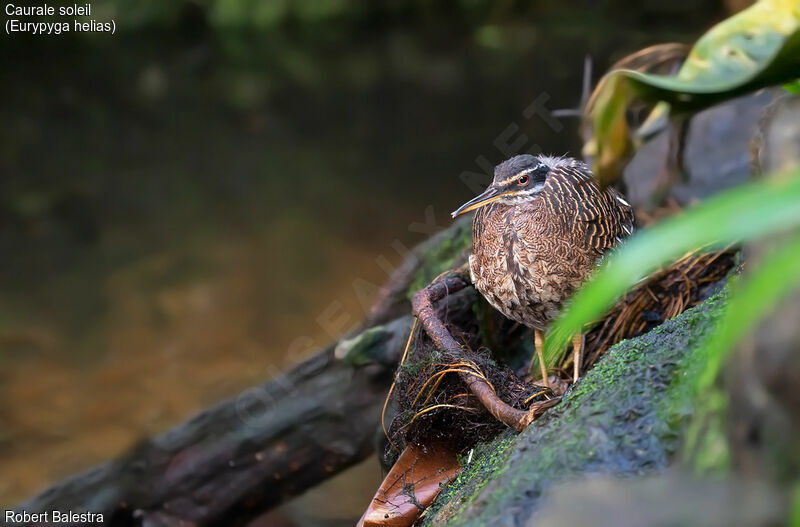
pixel 237 460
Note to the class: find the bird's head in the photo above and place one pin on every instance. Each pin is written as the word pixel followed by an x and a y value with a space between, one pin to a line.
pixel 516 180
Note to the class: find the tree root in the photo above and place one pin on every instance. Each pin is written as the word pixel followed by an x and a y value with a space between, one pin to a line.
pixel 423 308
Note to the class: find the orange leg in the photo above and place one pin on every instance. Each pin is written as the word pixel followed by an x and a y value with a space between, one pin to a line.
pixel 577 356
pixel 538 341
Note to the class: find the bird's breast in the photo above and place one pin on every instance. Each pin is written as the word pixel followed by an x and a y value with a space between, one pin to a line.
pixel 522 271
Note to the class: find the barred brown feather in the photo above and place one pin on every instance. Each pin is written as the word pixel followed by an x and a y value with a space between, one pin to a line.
pixel 529 255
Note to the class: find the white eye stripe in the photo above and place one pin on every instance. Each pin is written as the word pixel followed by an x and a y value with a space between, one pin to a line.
pixel 521 173
pixel 527 171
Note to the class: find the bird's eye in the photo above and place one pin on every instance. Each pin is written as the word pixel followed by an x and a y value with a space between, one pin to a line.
pixel 522 180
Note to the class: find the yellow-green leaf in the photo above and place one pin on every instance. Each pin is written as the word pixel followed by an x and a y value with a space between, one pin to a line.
pixel 757 47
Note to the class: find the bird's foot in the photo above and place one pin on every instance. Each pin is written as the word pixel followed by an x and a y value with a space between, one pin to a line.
pixel 558 385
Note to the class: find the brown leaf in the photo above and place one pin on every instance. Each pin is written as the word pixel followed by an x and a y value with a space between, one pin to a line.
pixel 411 485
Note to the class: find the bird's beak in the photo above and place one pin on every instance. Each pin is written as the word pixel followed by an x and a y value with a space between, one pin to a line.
pixel 491 194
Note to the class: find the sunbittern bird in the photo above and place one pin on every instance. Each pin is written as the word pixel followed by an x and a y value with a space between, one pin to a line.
pixel 539 231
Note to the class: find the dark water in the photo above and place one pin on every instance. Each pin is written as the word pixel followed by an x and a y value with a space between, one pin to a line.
pixel 180 213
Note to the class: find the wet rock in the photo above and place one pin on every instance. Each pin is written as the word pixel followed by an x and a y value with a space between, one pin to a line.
pixel 716 156
pixel 669 499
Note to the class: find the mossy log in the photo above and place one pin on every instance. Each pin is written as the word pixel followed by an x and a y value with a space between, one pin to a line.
pixel 233 462
pixel 623 418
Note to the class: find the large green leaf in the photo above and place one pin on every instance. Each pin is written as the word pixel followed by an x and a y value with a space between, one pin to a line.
pixel 757 47
pixel 753 298
pixel 793 87
pixel 740 214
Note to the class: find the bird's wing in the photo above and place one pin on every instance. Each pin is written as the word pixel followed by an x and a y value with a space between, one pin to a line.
pixel 606 216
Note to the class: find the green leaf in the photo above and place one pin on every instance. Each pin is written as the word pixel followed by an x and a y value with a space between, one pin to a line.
pixel 741 214
pixel 753 298
pixel 793 87
pixel 794 513
pixel 757 47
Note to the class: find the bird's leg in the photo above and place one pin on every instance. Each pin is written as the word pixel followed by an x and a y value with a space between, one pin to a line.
pixel 538 341
pixel 577 355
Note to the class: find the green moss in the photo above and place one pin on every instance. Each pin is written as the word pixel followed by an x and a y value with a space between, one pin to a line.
pixel 412 367
pixel 488 461
pixel 441 255
pixel 358 351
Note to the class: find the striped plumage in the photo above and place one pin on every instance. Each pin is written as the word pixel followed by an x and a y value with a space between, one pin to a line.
pixel 540 233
